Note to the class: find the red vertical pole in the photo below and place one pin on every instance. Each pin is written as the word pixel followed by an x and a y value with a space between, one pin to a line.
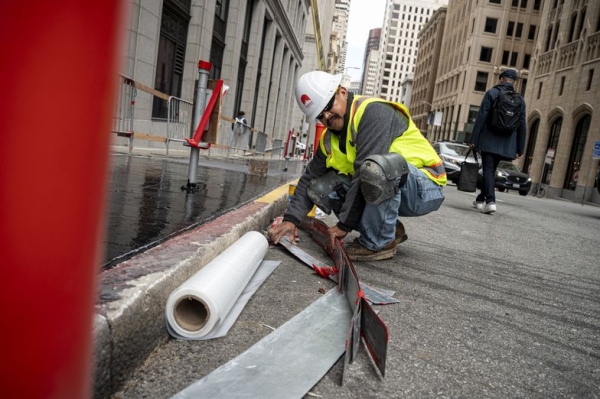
pixel 319 128
pixel 287 144
pixel 60 74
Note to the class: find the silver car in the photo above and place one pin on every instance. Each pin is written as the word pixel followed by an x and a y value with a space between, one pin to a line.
pixel 452 154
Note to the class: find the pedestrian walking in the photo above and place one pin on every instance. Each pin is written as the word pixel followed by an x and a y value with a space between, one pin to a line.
pixel 371 166
pixel 498 134
pixel 240 127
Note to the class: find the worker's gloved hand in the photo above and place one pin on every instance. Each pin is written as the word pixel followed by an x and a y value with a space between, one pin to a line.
pixel 284 229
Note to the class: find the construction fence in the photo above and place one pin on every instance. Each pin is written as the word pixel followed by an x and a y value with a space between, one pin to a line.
pixel 177 127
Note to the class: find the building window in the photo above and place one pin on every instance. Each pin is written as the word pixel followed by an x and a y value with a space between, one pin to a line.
pixel 590 79
pixel 562 85
pixel 526 61
pixel 537 4
pixel 581 25
pixel 495 1
pixel 523 3
pixel 486 54
pixel 513 59
pixel 548 38
pixel 510 28
pixel 481 81
pixel 555 35
pixel 572 27
pixel 531 34
pixel 217 49
pixel 473 111
pixel 490 25
pixel 519 31
pixel 515 3
pixel 505 56
pixel 539 93
pixel 171 54
pixel 243 58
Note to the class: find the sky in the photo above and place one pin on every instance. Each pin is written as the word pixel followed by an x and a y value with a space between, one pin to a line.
pixel 364 16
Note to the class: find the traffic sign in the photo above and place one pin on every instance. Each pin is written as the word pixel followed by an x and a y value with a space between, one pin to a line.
pixel 596 154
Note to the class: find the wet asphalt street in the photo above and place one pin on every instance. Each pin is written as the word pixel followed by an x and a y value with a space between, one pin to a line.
pixel 500 306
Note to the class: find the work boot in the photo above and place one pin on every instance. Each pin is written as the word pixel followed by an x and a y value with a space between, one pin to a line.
pixel 357 252
pixel 400 233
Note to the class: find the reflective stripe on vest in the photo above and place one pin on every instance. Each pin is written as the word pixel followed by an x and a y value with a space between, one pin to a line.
pixel 411 144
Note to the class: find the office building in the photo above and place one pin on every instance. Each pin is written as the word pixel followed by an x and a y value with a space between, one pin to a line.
pixel 403 19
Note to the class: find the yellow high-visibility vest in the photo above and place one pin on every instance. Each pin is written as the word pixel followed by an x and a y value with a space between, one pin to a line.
pixel 411 144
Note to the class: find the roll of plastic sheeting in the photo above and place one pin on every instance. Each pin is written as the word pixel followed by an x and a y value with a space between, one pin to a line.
pixel 206 298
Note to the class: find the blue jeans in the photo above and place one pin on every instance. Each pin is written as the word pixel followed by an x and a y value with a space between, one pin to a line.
pixel 489 163
pixel 417 197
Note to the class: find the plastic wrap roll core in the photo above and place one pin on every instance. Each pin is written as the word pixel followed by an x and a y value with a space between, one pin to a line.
pixel 205 299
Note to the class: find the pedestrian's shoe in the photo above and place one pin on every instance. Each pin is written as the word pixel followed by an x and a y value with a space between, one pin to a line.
pixel 489 208
pixel 478 205
pixel 400 233
pixel 357 252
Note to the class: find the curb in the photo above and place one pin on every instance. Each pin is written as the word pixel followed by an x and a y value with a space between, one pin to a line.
pixel 130 316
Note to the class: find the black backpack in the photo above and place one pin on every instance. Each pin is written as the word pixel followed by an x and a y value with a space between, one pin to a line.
pixel 506 111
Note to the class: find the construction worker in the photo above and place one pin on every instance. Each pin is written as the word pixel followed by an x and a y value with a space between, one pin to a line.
pixel 372 165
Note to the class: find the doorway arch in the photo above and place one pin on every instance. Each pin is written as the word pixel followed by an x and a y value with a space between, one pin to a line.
pixel 533 133
pixel 577 147
pixel 551 148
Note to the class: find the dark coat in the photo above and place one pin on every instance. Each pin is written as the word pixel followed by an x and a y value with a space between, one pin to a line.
pixel 485 140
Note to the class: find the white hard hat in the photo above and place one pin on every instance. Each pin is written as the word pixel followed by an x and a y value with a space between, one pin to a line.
pixel 314 90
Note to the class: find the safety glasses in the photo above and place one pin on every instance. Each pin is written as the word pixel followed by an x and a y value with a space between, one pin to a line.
pixel 328 106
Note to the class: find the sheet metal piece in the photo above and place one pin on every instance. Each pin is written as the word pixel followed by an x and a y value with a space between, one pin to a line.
pixel 352 342
pixel 374 296
pixel 365 322
pixel 318 231
pixel 375 333
pixel 370 327
pixel 288 362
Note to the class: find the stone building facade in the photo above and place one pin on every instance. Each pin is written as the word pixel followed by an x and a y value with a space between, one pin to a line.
pixel 403 20
pixel 258 48
pixel 555 47
pixel 563 101
pixel 481 39
pixel 430 44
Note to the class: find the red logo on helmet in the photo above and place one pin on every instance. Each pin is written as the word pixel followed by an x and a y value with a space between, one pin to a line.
pixel 306 101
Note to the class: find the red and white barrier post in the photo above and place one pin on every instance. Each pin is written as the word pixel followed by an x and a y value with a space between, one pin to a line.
pixel 58 95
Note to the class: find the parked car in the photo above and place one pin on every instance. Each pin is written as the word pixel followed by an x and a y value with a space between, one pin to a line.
pixel 452 154
pixel 510 177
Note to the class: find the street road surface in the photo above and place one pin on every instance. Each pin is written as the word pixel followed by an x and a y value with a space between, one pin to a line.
pixel 491 306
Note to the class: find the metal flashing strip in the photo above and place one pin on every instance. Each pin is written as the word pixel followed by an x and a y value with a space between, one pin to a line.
pixel 286 363
pixel 367 324
pixel 374 296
